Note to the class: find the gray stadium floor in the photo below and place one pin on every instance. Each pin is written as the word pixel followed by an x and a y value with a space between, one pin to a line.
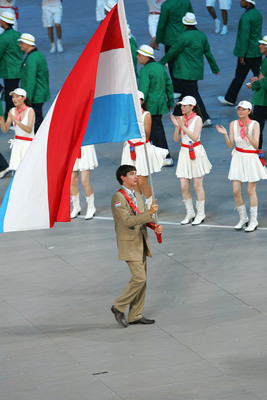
pixel 206 285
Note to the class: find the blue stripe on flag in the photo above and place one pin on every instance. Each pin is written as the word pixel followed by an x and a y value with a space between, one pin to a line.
pixel 112 119
pixel 4 207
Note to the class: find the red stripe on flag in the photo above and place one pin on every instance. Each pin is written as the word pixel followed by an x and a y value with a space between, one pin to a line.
pixel 113 37
pixel 70 119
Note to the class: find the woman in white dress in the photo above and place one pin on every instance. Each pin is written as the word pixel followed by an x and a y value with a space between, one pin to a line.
pixel 10 6
pixel 23 117
pixel 193 162
pixel 133 153
pixel 85 162
pixel 245 164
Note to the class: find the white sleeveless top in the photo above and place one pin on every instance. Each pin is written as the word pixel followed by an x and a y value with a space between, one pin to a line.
pixel 24 121
pixel 185 139
pixel 238 139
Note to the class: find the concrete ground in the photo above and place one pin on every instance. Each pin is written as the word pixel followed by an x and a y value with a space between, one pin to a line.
pixel 206 284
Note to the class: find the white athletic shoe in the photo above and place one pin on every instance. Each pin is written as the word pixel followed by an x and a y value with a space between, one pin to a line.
pixel 4 172
pixel 225 102
pixel 59 47
pixel 217 25
pixel 224 30
pixel 53 48
pixel 168 162
pixel 207 123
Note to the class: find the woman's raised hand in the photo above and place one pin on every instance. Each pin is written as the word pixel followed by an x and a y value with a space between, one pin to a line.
pixel 174 121
pixel 221 129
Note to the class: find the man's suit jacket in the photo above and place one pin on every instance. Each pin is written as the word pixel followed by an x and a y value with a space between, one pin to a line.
pixel 130 227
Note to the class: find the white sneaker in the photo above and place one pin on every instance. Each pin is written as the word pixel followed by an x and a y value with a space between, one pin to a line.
pixel 53 48
pixel 224 30
pixel 217 25
pixel 168 162
pixel 59 47
pixel 207 123
pixel 4 172
pixel 225 102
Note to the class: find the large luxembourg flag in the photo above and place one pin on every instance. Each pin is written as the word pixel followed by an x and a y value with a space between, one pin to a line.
pixel 98 103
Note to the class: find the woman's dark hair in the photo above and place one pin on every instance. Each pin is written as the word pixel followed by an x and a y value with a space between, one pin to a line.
pixel 251 115
pixel 197 110
pixel 144 106
pixel 27 102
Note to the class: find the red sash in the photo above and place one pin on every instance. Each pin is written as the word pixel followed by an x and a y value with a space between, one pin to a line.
pixel 29 139
pixel 151 225
pixel 246 151
pixel 188 146
pixel 132 148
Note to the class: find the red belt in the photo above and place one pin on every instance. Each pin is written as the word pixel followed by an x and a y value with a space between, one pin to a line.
pixel 23 138
pixel 133 146
pixel 188 146
pixel 154 13
pixel 137 143
pixel 246 151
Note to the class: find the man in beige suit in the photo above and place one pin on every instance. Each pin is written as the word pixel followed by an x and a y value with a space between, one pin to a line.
pixel 133 245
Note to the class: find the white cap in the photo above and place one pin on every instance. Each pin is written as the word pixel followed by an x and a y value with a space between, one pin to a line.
pixel 109 5
pixel 146 50
pixel 264 40
pixel 141 95
pixel 251 1
pixel 245 104
pixel 188 101
pixel 8 17
pixel 189 19
pixel 27 38
pixel 19 92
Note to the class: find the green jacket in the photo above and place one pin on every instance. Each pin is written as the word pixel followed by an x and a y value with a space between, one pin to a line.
pixel 170 21
pixel 248 34
pixel 188 54
pixel 157 87
pixel 35 77
pixel 133 46
pixel 260 87
pixel 10 55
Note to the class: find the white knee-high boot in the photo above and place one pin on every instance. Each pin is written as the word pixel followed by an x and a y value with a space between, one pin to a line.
pixel 243 217
pixel 253 223
pixel 190 213
pixel 90 200
pixel 200 206
pixel 76 210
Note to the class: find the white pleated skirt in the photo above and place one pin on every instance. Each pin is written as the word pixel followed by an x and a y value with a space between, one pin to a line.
pixel 88 159
pixel 189 169
pixel 246 167
pixel 18 151
pixel 156 157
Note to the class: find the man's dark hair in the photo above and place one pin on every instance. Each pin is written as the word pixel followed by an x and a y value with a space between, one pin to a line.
pixel 123 171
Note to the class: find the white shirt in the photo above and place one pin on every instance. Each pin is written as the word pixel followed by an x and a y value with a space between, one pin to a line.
pixel 154 5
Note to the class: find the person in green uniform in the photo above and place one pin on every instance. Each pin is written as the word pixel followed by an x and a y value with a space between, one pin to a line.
pixel 34 76
pixel 188 53
pixel 10 57
pixel 170 27
pixel 133 47
pixel 259 85
pixel 157 87
pixel 246 49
